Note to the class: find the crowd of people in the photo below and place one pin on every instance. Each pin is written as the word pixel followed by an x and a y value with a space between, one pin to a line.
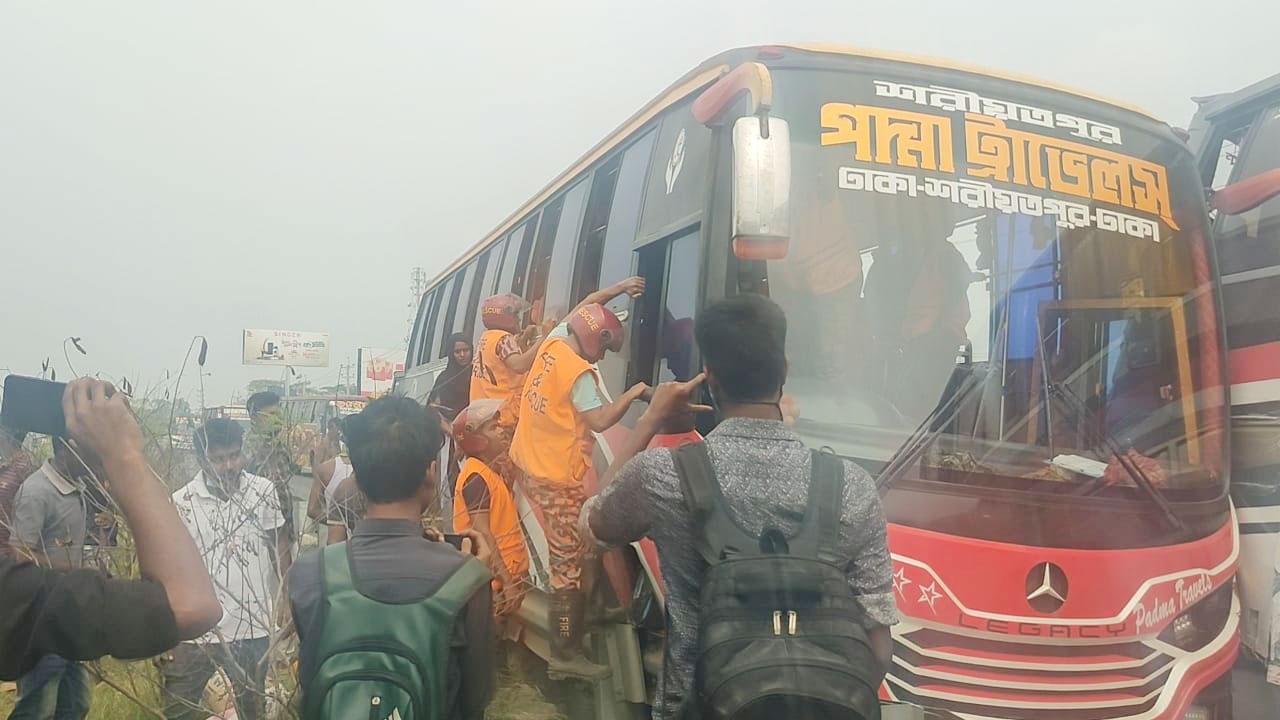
pixel 395 618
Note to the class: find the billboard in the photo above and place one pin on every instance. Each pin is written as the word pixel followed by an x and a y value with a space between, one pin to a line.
pixel 286 347
pixel 378 367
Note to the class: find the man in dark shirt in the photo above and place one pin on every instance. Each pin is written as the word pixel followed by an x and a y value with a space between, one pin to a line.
pixel 394 444
pixel 83 615
pixel 763 469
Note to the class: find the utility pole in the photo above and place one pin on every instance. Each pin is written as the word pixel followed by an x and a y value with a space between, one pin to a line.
pixel 417 286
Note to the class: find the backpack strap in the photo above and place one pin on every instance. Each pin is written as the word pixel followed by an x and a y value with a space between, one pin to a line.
pixel 335 568
pixel 819 535
pixel 720 534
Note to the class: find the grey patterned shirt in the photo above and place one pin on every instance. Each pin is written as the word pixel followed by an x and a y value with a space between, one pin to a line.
pixel 763 470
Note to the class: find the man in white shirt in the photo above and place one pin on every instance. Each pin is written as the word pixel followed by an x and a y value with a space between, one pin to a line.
pixel 237 523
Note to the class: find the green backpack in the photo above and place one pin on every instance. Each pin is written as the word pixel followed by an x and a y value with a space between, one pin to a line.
pixel 377 661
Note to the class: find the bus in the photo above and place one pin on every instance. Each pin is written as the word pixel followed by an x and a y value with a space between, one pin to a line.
pixel 1001 302
pixel 1236 137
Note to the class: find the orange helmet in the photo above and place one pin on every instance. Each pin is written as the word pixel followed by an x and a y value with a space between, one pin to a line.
pixel 502 312
pixel 467 424
pixel 597 330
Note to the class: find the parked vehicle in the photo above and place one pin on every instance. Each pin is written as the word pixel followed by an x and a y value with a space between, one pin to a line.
pixel 1000 297
pixel 1236 137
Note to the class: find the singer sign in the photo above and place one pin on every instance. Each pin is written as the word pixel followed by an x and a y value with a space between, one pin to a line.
pixel 286 347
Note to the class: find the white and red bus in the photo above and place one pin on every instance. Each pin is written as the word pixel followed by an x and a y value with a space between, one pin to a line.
pixel 1001 301
pixel 1236 136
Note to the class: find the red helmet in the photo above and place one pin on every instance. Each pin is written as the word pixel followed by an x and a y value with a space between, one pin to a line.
pixel 466 426
pixel 502 312
pixel 597 330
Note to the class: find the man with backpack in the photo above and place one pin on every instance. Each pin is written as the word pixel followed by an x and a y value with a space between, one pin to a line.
pixel 779 584
pixel 394 626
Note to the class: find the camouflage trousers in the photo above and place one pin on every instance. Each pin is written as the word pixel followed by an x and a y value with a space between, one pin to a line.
pixel 561 504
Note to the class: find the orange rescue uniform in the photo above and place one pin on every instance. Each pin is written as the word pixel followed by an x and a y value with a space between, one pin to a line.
pixel 552 442
pixel 491 379
pixel 504 520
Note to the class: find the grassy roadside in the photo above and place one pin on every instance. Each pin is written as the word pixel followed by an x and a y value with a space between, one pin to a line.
pixel 514 699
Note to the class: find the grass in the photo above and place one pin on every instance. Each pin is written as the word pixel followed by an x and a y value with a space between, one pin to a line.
pixel 138 678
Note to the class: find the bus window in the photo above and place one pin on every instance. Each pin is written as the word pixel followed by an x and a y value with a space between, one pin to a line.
pixel 679 305
pixel 494 262
pixel 605 245
pixel 444 300
pixel 466 302
pixel 418 336
pixel 461 280
pixel 540 259
pixel 564 210
pixel 526 249
pixel 428 330
pixel 1251 240
pixel 663 346
pixel 556 301
pixel 516 256
pixel 1249 246
pixel 466 314
pixel 594 225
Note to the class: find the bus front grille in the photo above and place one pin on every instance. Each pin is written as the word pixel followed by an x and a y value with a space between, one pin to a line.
pixel 987 678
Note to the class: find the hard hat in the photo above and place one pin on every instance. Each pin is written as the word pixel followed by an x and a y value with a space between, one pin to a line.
pixel 597 330
pixel 467 424
pixel 502 312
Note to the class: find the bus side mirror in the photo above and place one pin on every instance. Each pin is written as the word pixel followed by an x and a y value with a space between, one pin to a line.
pixel 1247 194
pixel 761 188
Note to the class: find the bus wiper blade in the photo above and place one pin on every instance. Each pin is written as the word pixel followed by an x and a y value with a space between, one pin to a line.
pixel 1135 472
pixel 929 429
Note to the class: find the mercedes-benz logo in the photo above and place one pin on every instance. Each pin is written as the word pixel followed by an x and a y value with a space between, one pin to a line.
pixel 1046 588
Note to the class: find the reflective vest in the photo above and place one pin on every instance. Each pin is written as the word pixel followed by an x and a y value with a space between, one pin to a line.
pixel 552 442
pixel 504 521
pixel 491 379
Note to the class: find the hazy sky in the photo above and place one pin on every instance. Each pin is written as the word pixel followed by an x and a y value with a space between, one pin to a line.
pixel 170 169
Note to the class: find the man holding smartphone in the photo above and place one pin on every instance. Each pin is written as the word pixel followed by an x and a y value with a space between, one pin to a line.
pixel 82 614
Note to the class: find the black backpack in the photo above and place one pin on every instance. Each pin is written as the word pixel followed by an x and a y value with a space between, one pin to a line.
pixel 780 630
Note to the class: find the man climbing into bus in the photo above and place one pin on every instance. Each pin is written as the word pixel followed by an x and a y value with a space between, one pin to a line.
pixel 560 407
pixel 505 354
pixel 483 500
pixel 763 473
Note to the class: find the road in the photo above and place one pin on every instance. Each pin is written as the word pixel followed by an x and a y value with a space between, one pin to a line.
pixel 1253 698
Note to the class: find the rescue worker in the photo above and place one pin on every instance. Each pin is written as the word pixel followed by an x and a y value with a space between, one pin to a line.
pixel 483 500
pixel 560 407
pixel 504 355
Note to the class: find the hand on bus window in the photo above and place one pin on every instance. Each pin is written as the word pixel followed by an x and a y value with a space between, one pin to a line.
pixel 671 399
pixel 632 286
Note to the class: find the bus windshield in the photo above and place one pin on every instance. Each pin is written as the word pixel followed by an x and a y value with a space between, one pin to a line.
pixel 1007 283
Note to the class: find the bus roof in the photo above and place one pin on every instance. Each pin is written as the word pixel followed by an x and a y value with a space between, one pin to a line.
pixel 704 74
pixel 1213 105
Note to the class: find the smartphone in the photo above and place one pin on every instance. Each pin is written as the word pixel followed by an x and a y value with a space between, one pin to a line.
pixel 454 540
pixel 33 405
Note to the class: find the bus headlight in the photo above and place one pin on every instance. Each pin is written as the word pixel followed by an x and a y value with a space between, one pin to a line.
pixel 1203 622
